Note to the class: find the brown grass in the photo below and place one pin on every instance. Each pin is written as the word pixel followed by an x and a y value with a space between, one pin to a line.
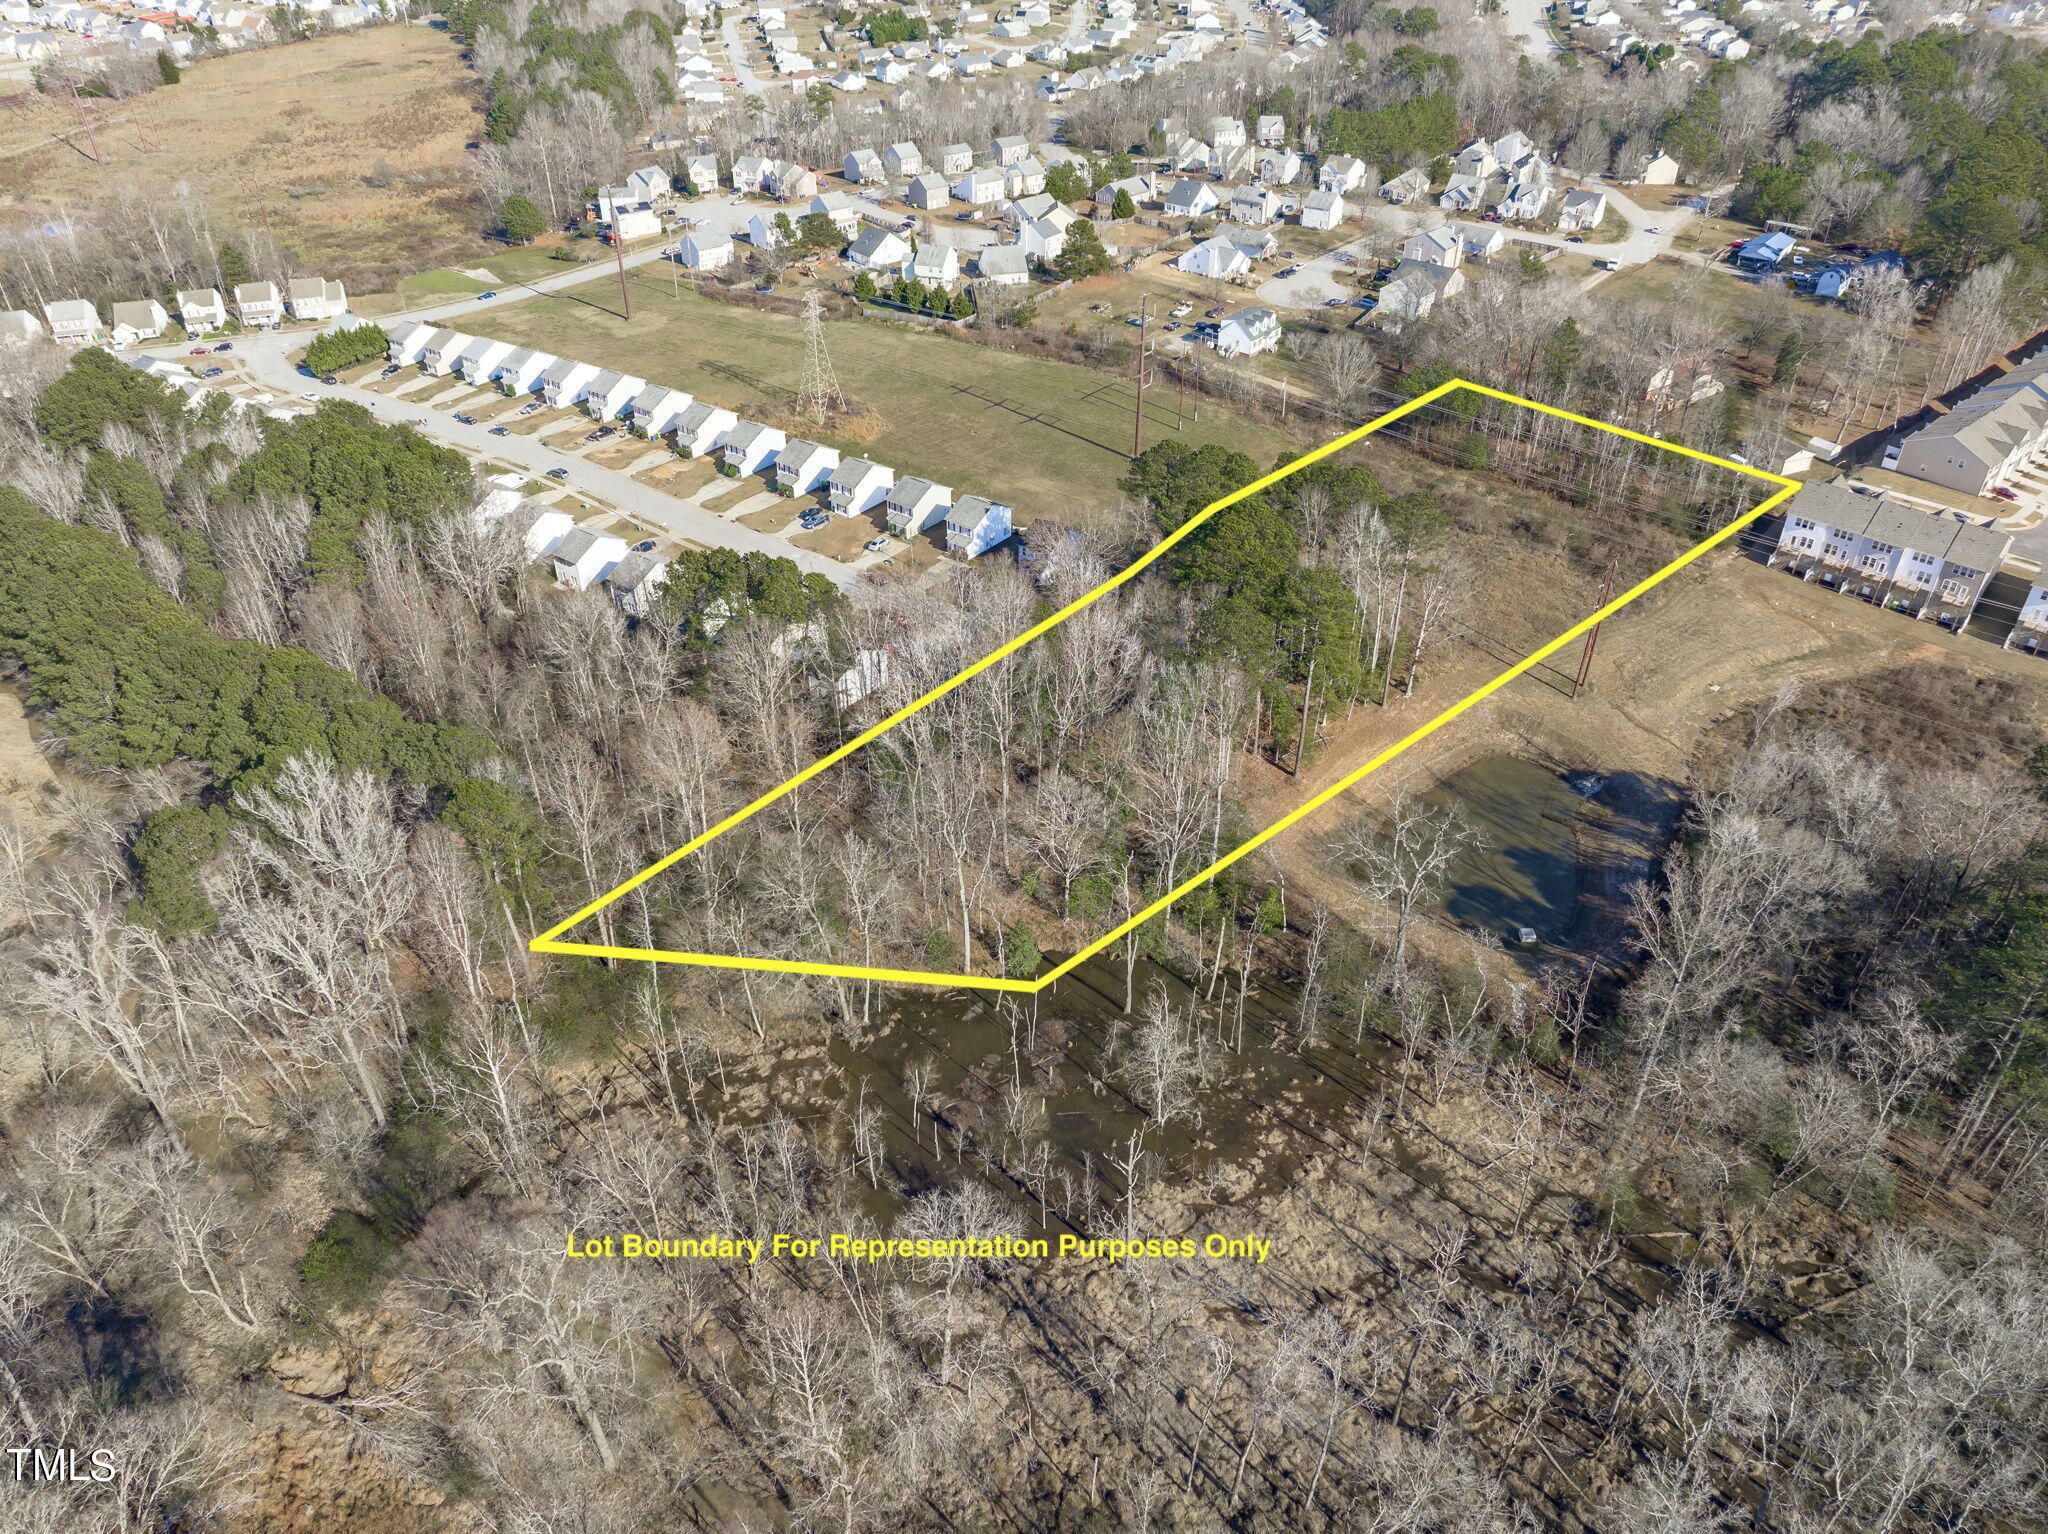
pixel 287 139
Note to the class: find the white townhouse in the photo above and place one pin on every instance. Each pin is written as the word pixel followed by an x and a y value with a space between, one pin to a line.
pixel 1042 239
pixel 788 181
pixel 750 173
pixel 980 187
pixel 1582 208
pixel 857 486
pixel 1227 132
pixel 1990 436
pixel 648 183
pixel 703 428
pixel 1024 179
pixel 974 525
pixel 585 557
pixel 442 349
pixel 481 359
pixel 259 304
pixel 406 341
pixel 750 447
pixel 1406 187
pixel 838 207
pixel 904 159
pixel 934 265
pixel 635 581
pixel 1010 149
pixel 543 529
pixel 1004 266
pixel 1341 173
pixel 2030 631
pixel 864 166
pixel 1323 210
pixel 700 172
pixel 1482 240
pixel 1215 257
pixel 1416 288
pixel 928 192
pixel 316 298
pixel 913 504
pixel 878 250
pixel 201 310
pixel 764 232
pixel 1931 565
pixel 1254 204
pixel 955 160
pixel 1279 167
pixel 1191 199
pixel 802 467
pixel 609 396
pixel 704 250
pixel 1439 247
pixel 144 320
pixel 521 370
pixel 656 409
pixel 564 384
pixel 1249 332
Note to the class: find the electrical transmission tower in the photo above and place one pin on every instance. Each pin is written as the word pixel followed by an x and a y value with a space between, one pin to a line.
pixel 819 396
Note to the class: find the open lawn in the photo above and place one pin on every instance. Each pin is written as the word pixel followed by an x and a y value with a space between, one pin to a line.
pixel 1049 437
pixel 348 149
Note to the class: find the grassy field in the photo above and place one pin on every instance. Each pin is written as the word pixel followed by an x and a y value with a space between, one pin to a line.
pixel 349 149
pixel 1049 437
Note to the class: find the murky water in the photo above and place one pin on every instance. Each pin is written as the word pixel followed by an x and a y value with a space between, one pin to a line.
pixel 1525 871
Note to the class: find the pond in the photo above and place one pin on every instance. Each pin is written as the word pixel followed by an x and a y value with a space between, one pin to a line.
pixel 1524 869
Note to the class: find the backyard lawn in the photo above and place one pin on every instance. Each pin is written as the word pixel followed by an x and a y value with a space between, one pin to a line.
pixel 1048 437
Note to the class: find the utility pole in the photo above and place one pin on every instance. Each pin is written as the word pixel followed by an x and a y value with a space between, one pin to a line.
pixel 619 253
pixel 1593 634
pixel 1138 420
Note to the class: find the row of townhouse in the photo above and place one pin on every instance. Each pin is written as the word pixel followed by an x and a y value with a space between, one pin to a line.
pixel 1992 436
pixel 200 311
pixel 1931 565
pixel 698 429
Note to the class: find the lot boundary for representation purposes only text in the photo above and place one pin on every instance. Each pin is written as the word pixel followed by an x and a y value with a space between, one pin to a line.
pixel 551 941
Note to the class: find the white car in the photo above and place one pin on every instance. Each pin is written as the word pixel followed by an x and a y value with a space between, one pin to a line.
pixel 875 545
pixel 309 394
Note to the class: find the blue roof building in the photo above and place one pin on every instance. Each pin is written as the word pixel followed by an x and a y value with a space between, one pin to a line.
pixel 1765 253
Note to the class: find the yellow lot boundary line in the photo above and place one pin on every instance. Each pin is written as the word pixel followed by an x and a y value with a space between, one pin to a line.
pixel 550 940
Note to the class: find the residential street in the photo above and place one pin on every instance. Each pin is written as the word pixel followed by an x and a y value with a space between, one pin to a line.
pixel 1316 283
pixel 265 359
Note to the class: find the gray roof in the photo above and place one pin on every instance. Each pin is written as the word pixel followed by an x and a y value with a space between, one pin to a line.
pixel 908 492
pixel 1941 534
pixel 747 433
pixel 969 510
pixel 629 573
pixel 851 471
pixel 868 241
pixel 2006 414
pixel 1003 261
pixel 697 415
pixel 575 543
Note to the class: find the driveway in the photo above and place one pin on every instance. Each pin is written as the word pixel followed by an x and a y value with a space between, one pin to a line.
pixel 1526 25
pixel 683 519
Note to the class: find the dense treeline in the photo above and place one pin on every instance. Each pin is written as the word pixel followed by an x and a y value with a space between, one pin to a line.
pixel 288 1184
pixel 1937 140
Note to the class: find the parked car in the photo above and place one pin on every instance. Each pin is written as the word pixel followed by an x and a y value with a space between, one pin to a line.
pixel 309 394
pixel 482 296
pixel 1213 314
pixel 558 474
pixel 225 346
pixel 212 372
pixel 330 379
pixel 875 545
pixel 2004 494
pixel 393 368
pixel 529 409
pixel 501 431
pixel 199 351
